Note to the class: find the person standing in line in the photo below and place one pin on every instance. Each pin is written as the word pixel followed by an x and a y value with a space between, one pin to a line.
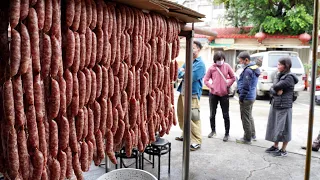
pixel 198 72
pixel 280 114
pixel 247 85
pixel 222 77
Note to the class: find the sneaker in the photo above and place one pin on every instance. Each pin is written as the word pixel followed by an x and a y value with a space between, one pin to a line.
pixel 254 138
pixel 272 149
pixel 313 148
pixel 243 141
pixel 280 153
pixel 179 138
pixel 194 147
pixel 225 138
pixel 213 133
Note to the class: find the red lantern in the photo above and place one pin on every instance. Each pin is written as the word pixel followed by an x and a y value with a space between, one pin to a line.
pixel 304 38
pixel 260 36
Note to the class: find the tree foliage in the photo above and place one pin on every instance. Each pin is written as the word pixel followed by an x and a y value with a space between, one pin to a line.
pixel 272 16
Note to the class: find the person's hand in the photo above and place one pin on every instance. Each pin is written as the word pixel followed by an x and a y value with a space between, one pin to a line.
pixel 279 93
pixel 182 69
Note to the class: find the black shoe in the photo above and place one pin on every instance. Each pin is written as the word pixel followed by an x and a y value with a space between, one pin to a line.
pixel 194 147
pixel 225 138
pixel 272 149
pixel 213 133
pixel 280 153
pixel 179 138
pixel 313 148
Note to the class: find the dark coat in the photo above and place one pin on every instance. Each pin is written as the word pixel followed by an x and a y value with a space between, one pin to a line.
pixel 286 83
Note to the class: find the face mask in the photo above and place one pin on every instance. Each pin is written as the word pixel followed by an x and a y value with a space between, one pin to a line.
pixel 219 63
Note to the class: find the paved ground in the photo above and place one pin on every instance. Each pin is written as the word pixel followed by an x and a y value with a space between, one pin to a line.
pixel 218 160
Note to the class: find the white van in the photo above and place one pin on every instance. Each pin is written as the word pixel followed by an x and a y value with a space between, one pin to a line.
pixel 268 62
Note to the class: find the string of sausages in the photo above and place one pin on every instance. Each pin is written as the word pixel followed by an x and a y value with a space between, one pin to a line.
pixel 87 78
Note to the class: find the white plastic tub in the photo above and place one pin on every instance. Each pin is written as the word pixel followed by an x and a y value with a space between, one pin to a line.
pixel 127 174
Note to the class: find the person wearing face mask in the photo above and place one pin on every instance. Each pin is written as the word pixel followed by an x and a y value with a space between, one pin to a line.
pixel 280 114
pixel 247 85
pixel 198 72
pixel 219 78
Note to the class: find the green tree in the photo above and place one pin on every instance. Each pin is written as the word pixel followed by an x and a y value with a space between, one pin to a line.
pixel 273 16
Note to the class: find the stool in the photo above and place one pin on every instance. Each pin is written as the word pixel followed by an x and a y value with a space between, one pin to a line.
pixel 122 155
pixel 158 148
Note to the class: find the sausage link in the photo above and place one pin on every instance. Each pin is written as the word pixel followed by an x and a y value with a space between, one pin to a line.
pixel 24 9
pixel 69 163
pixel 62 158
pixel 90 124
pixel 40 8
pixel 8 101
pixel 82 51
pixel 85 123
pixel 105 47
pixel 14 13
pixel 116 95
pixel 89 12
pixel 15 52
pixel 38 164
pixel 75 95
pixel 93 23
pixel 56 59
pixel 124 102
pixel 99 81
pixel 80 124
pixel 69 86
pixel 63 99
pixel 100 145
pixel 70 49
pixel 105 84
pixel 76 16
pixel 100 5
pixel 88 46
pixel 128 52
pixel 94 50
pixel 55 170
pixel 76 61
pixel 13 154
pixel 87 74
pixel 121 76
pixel 133 112
pixel 82 89
pixel 33 138
pixel 97 116
pixel 116 120
pixel 93 87
pixel 119 133
pixel 128 141
pixel 48 16
pixel 176 66
pixel 20 117
pixel 54 105
pixel 77 167
pixel 24 158
pixel 106 21
pixel 25 49
pixel 46 56
pixel 120 111
pixel 90 152
pixel 109 122
pixel 54 139
pixel 104 115
pixel 83 18
pixel 39 98
pixel 34 37
pixel 33 2
pixel 111 82
pixel 63 133
pixel 70 12
pixel 84 157
pixel 56 17
pixel 109 142
pixel 73 136
pixel 99 41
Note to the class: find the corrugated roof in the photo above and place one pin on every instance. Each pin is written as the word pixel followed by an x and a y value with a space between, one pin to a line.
pixel 166 8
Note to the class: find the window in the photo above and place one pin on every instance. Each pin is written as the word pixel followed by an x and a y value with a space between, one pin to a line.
pixel 274 59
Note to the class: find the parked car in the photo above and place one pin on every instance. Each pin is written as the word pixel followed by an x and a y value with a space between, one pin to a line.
pixel 268 62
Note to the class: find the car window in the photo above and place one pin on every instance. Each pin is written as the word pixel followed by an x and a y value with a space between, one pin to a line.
pixel 258 60
pixel 273 61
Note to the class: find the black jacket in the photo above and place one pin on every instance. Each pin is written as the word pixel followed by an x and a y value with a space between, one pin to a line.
pixel 286 83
